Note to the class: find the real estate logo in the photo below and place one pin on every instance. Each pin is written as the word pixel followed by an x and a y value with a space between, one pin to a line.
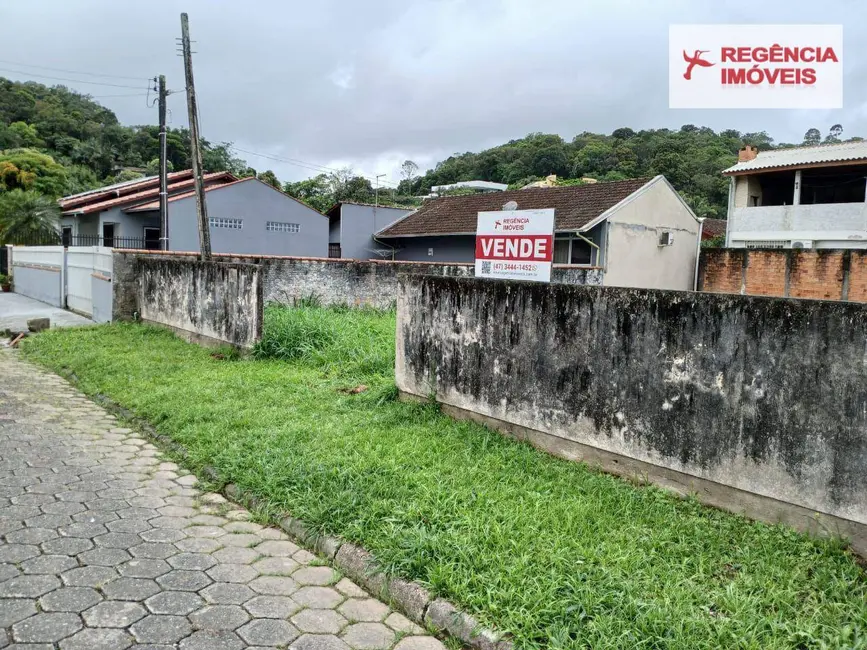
pixel 755 66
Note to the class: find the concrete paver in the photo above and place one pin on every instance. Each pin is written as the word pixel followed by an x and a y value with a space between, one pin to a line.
pixel 104 544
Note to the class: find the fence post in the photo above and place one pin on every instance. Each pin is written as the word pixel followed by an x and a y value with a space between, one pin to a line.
pixel 63 279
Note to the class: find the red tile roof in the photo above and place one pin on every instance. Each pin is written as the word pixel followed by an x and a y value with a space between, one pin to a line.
pixel 146 194
pixel 120 189
pixel 575 207
pixel 713 228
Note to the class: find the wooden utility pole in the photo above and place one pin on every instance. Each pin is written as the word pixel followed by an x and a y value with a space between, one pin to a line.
pixel 192 110
pixel 164 196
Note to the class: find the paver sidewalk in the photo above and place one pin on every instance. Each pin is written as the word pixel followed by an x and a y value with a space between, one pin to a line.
pixel 104 546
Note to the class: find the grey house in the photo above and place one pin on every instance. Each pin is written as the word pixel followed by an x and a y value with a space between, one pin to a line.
pixel 101 218
pixel 638 232
pixel 352 229
pixel 247 216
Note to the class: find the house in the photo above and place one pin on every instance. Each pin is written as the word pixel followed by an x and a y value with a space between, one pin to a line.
pixel 99 217
pixel 352 228
pixel 247 216
pixel 806 197
pixel 475 186
pixel 640 232
pixel 713 228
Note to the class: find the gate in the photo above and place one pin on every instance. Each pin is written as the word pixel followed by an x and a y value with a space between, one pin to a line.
pixel 86 265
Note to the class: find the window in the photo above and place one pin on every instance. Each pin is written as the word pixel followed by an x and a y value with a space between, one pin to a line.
pixel 573 250
pixel 152 239
pixel 232 224
pixel 282 226
pixel 333 250
pixel 66 236
pixel 764 244
pixel 108 235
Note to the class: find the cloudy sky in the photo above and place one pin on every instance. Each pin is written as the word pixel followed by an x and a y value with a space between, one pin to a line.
pixel 370 84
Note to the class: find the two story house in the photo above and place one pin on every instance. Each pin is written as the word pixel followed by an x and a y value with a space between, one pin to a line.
pixel 806 197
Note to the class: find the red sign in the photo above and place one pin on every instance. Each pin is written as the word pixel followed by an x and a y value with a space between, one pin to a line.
pixel 538 248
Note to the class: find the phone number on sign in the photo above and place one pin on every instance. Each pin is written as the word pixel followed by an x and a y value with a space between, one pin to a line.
pixel 514 266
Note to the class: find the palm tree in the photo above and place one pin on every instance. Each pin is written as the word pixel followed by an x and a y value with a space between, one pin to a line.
pixel 27 216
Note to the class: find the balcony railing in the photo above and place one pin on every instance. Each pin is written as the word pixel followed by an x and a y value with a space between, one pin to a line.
pixel 827 222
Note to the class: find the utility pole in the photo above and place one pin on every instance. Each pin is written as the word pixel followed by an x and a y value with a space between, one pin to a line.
pixel 376 194
pixel 201 206
pixel 164 196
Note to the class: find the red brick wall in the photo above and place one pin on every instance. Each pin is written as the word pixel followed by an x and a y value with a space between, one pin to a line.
pixel 766 273
pixel 721 270
pixel 818 274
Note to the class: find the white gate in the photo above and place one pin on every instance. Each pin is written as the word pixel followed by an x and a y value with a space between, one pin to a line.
pixel 83 263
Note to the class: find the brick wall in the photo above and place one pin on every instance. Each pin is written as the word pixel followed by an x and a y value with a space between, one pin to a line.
pixel 822 274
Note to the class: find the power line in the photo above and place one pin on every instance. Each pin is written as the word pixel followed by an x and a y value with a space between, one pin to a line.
pixel 78 81
pixel 79 72
pixel 304 164
pixel 122 95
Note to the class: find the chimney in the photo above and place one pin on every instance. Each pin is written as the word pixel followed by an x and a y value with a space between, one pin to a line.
pixel 747 153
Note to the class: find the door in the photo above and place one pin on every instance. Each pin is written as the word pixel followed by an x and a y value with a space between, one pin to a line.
pixel 108 235
pixel 66 236
pixel 152 239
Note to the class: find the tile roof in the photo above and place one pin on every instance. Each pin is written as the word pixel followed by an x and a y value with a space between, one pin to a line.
pixel 119 189
pixel 713 228
pixel 143 195
pixel 575 207
pixel 800 156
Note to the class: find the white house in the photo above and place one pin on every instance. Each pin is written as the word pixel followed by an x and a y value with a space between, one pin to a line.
pixel 807 197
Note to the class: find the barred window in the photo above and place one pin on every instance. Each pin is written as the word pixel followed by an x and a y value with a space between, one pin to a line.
pixel 282 226
pixel 219 222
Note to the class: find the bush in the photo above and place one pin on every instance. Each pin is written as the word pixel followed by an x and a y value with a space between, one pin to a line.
pixel 356 342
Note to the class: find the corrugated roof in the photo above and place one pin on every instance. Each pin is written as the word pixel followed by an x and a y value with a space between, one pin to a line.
pixel 575 207
pixel 800 156
pixel 119 189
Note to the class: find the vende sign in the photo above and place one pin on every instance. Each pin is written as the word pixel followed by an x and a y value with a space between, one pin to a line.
pixel 755 66
pixel 515 245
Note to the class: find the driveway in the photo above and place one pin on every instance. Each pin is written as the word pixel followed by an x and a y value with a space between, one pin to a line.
pixel 15 310
pixel 105 545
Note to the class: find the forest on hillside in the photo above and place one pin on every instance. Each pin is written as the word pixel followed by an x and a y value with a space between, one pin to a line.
pixel 55 142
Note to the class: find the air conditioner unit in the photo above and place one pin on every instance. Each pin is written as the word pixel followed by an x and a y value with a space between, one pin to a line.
pixel 666 238
pixel 802 243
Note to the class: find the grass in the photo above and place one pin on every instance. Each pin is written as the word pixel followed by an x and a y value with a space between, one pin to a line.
pixel 556 553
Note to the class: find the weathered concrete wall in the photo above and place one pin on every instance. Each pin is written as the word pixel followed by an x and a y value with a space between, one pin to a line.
pixel 370 282
pixel 758 405
pixel 207 301
pixel 823 274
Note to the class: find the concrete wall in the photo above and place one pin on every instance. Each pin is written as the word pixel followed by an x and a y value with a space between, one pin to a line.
pixel 203 301
pixel 358 223
pixel 41 283
pixel 828 225
pixel 819 274
pixel 755 404
pixel 369 282
pixel 634 257
pixel 746 186
pixel 256 203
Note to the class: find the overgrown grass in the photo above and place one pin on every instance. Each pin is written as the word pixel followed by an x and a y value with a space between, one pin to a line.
pixel 558 554
pixel 340 340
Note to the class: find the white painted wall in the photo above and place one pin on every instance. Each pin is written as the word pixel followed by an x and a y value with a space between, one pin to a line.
pixel 634 257
pixel 829 225
pixel 746 186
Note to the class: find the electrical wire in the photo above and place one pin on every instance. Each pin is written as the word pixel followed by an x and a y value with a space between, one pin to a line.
pixel 78 72
pixel 78 81
pixel 305 164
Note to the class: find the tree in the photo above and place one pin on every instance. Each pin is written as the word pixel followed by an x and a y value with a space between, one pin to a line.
pixel 26 215
pixel 834 133
pixel 812 137
pixel 408 170
pixel 153 167
pixel 29 169
pixel 269 177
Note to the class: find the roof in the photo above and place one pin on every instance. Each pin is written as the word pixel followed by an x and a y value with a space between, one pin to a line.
pixel 337 205
pixel 713 228
pixel 155 205
pixel 802 156
pixel 145 195
pixel 119 189
pixel 475 185
pixel 576 207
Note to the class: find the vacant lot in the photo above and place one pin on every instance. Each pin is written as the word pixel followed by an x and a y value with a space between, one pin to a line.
pixel 559 555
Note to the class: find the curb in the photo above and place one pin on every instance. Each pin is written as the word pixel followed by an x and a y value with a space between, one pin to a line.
pixel 411 598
